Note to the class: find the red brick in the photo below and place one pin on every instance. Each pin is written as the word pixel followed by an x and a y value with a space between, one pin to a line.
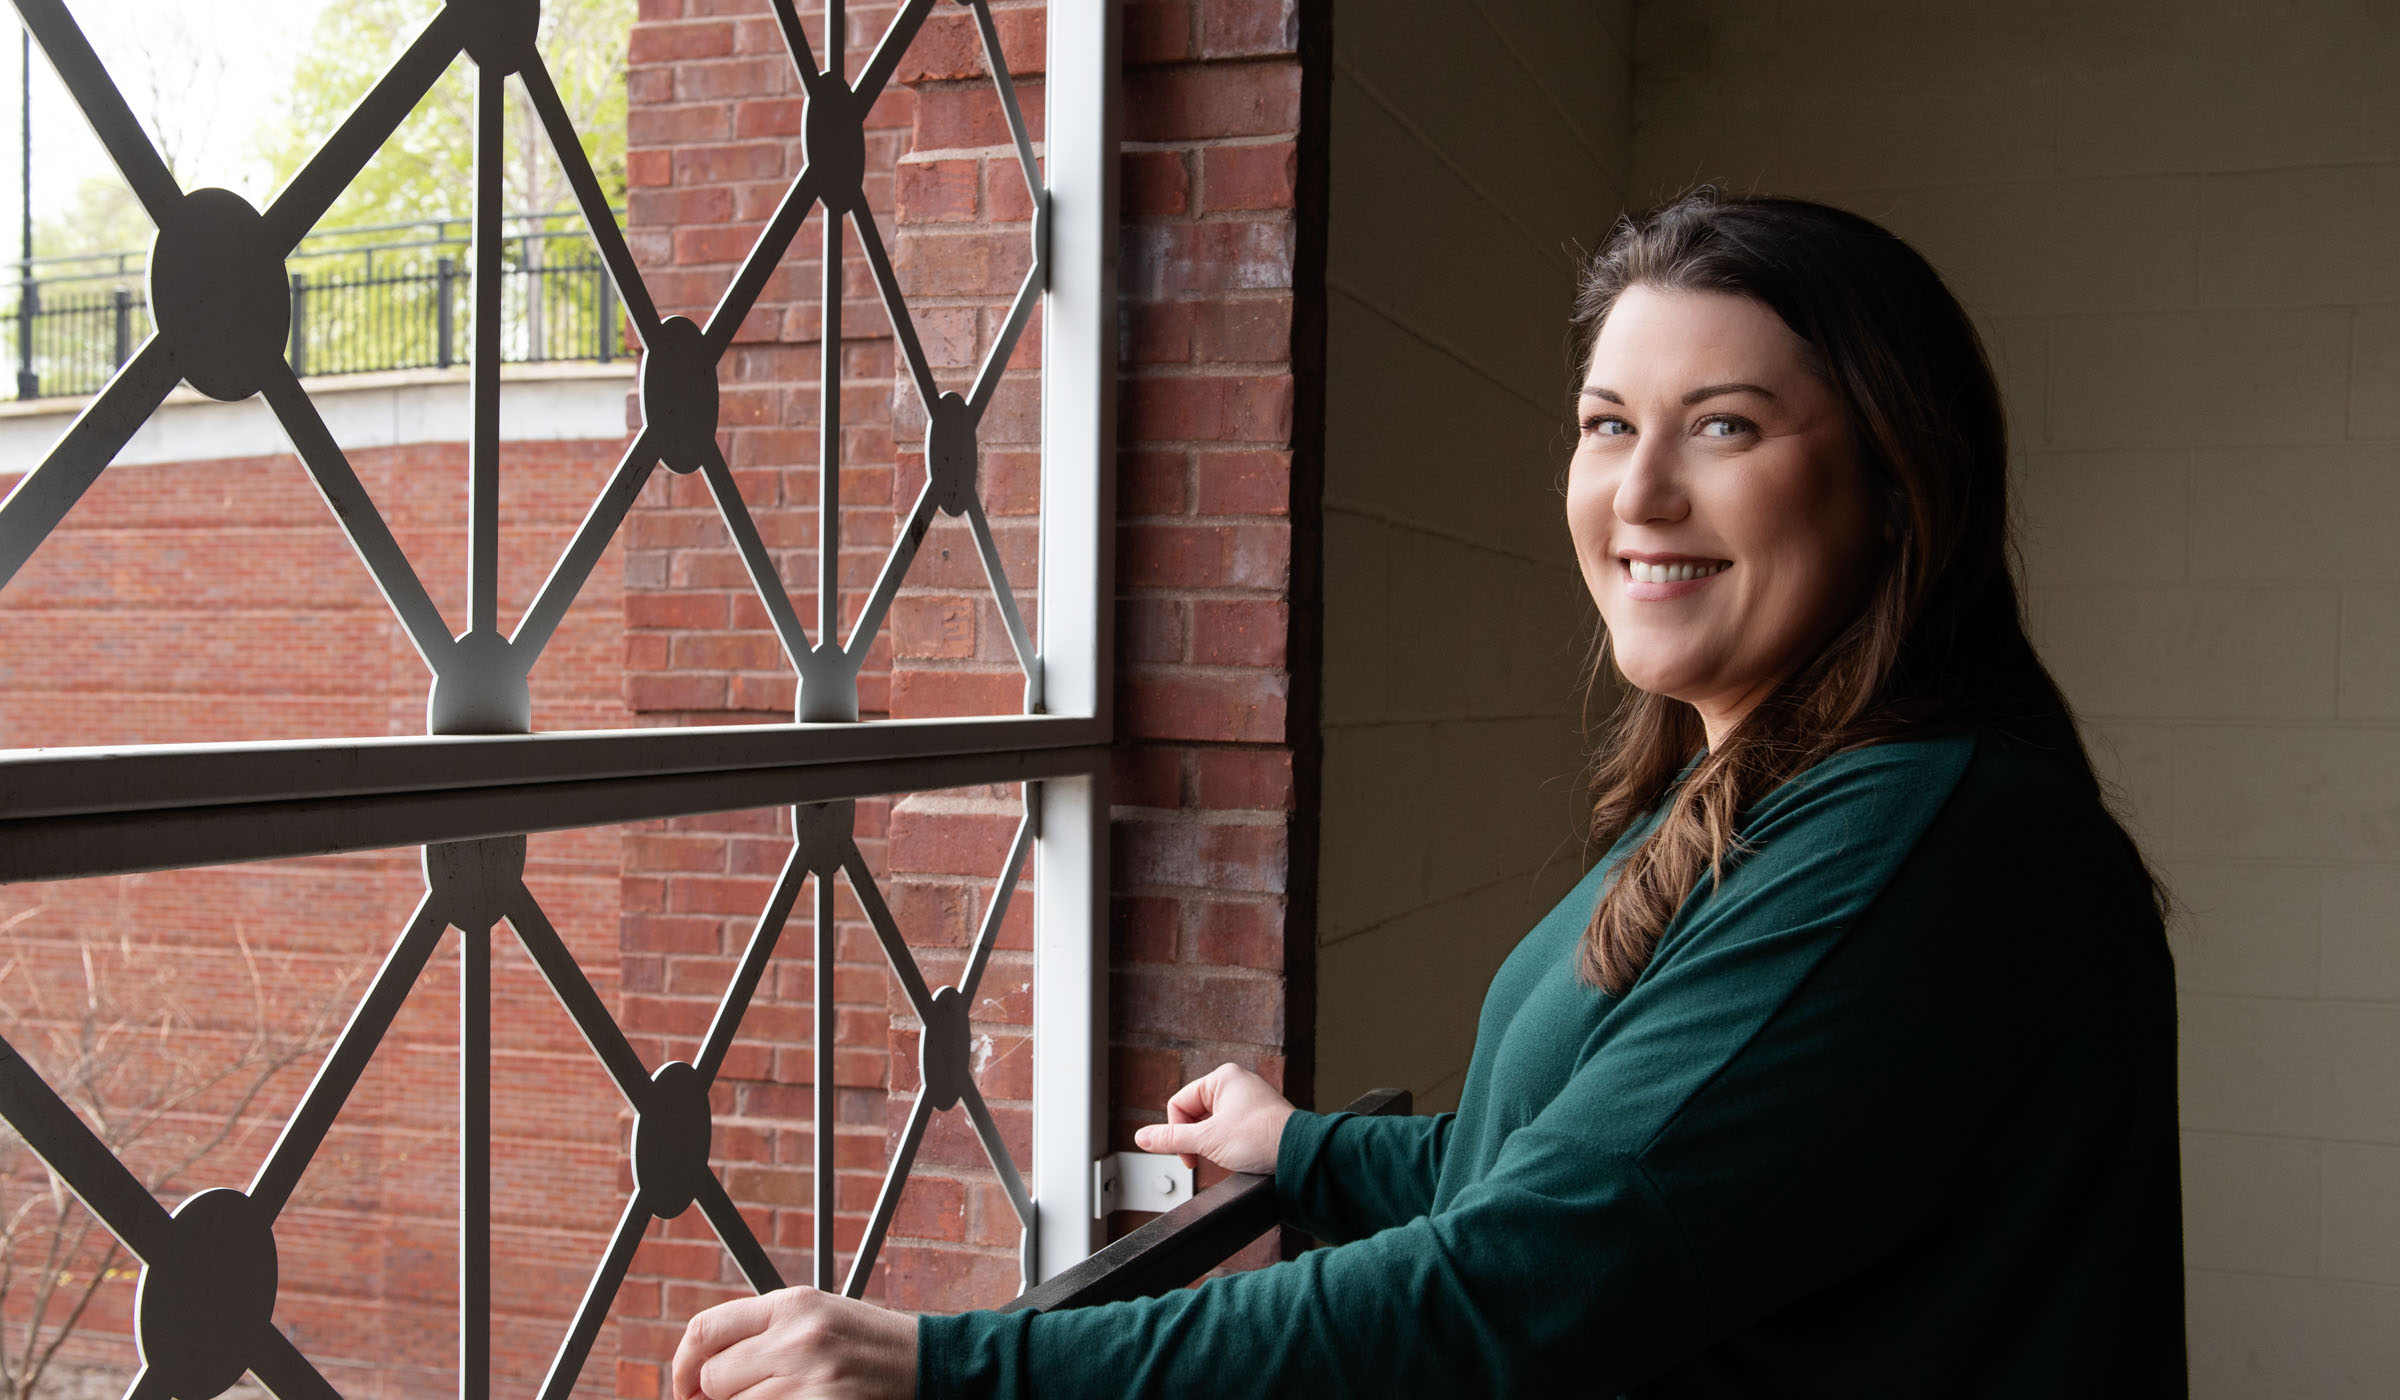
pixel 928 693
pixel 1248 177
pixel 1216 408
pixel 747 160
pixel 1227 255
pixel 1243 706
pixel 693 610
pixel 1175 1002
pixel 1144 1078
pixel 1150 483
pixel 1157 333
pixel 969 116
pixel 1252 555
pixel 1150 629
pixel 1009 199
pixel 1230 780
pixel 933 627
pixel 1143 929
pixel 937 191
pixel 1243 28
pixel 735 78
pixel 647 651
pixel 728 651
pixel 1211 102
pixel 674 692
pixel 1157 31
pixel 1243 483
pixel 668 126
pixel 1240 935
pixel 1252 329
pixel 948 47
pixel 947 842
pixel 660 43
pixel 1156 182
pixel 1238 633
pixel 769 117
pixel 1202 856
pixel 649 168
pixel 1146 776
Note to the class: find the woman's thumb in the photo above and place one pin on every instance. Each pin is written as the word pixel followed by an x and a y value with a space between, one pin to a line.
pixel 1168 1137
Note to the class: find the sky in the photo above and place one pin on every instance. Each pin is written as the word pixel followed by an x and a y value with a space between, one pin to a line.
pixel 211 67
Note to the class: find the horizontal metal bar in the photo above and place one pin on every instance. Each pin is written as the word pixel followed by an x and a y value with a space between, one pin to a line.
pixel 68 782
pixel 172 838
pixel 1186 1242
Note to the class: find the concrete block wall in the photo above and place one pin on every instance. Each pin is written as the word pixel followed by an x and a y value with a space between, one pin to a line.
pixel 1478 151
pixel 2179 227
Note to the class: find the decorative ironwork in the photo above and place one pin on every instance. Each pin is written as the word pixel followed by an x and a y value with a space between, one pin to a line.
pixel 395 302
pixel 224 307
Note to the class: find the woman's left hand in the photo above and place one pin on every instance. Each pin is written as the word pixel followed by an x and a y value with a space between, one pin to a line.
pixel 797 1344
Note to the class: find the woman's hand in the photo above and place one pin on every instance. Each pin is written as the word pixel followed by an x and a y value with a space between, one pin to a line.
pixel 1230 1116
pixel 797 1344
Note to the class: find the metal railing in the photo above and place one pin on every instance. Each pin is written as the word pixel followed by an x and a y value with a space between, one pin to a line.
pixel 1186 1242
pixel 479 780
pixel 384 296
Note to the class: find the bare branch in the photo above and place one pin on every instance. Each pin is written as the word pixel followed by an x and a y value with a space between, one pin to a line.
pixel 116 1058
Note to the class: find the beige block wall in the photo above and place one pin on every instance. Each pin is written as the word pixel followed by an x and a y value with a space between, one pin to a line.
pixel 1477 147
pixel 2179 226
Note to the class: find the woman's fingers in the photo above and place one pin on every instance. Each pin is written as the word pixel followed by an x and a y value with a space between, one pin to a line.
pixel 797 1344
pixel 712 1331
pixel 1185 1138
pixel 1196 1100
pixel 1229 1115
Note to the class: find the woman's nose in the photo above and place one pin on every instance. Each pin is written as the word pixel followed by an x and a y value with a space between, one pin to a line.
pixel 1651 491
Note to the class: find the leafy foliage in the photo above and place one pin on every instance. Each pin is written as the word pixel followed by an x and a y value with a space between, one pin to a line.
pixel 426 169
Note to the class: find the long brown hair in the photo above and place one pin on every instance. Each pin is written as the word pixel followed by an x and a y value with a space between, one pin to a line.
pixel 1940 640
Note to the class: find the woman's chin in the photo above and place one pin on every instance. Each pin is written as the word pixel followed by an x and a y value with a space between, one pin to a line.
pixel 1658 676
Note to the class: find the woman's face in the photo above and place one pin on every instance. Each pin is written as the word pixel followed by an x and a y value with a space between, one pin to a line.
pixel 1720 516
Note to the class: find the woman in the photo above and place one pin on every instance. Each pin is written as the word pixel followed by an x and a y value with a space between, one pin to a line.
pixel 1849 1070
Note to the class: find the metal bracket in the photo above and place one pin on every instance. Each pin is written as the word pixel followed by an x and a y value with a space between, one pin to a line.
pixel 1139 1181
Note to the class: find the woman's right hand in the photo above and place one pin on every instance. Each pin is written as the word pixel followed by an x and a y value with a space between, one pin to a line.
pixel 1229 1115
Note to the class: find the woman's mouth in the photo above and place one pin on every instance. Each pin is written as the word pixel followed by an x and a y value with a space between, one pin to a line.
pixel 1675 572
pixel 1662 580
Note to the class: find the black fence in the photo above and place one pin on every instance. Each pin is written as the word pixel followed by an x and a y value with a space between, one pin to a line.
pixel 363 299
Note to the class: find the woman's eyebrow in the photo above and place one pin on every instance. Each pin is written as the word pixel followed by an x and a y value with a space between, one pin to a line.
pixel 1713 390
pixel 1709 391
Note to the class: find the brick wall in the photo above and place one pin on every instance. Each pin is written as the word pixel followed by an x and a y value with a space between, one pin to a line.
pixel 2176 227
pixel 213 601
pixel 217 601
pixel 1205 779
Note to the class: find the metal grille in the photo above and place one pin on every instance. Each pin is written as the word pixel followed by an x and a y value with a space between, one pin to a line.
pixel 222 299
pixel 357 305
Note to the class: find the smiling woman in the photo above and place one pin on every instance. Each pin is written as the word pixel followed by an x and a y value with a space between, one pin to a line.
pixel 1848 1070
pixel 1722 520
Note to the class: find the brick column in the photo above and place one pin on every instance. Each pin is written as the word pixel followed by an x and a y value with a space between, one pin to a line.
pixel 1213 851
pixel 1207 858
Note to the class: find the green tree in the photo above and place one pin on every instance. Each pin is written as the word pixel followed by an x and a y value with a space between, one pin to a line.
pixel 425 171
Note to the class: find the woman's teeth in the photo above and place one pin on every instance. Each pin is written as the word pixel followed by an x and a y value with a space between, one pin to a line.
pixel 1673 573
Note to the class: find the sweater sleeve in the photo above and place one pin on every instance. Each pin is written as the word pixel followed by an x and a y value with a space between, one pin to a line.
pixel 1340 1177
pixel 1468 1302
pixel 1734 1146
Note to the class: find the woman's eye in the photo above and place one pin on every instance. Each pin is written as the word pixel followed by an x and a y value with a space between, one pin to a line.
pixel 1725 426
pixel 1606 427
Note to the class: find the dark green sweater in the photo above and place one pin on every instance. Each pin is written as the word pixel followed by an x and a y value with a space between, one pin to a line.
pixel 1890 1113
